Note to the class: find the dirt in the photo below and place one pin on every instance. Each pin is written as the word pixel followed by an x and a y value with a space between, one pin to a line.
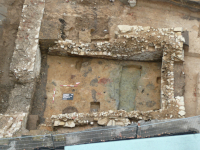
pixel 99 88
pixel 7 43
pixel 39 100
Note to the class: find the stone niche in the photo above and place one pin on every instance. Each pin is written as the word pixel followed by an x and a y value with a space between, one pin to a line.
pixel 134 43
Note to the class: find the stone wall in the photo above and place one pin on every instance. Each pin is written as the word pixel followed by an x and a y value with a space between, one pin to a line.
pixel 25 63
pixel 135 43
pixel 130 43
pixel 140 44
pixel 25 66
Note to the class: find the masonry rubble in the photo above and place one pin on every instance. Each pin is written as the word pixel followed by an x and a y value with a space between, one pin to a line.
pixel 132 3
pixel 112 117
pixel 140 44
pixel 109 118
pixel 25 66
pixel 26 58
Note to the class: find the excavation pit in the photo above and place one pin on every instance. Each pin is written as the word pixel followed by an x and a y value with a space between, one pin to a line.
pixel 127 85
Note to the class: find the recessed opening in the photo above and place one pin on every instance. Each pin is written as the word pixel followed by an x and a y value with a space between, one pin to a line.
pixel 116 84
pixel 158 80
pixel 94 106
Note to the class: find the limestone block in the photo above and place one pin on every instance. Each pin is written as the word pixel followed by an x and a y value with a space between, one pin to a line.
pixel 178 29
pixel 111 111
pixel 61 123
pixel 70 124
pixel 125 28
pixel 56 123
pixel 127 122
pixel 132 3
pixel 180 100
pixel 181 113
pixel 102 121
pixel 111 123
pixel 181 108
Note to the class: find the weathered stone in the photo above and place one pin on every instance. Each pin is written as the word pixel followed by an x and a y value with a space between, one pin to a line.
pixel 103 121
pixel 132 3
pixel 111 123
pixel 56 123
pixel 70 124
pixel 127 122
pixel 111 111
pixel 178 29
pixel 181 108
pixel 61 123
pixel 125 28
pixel 26 60
pixel 181 113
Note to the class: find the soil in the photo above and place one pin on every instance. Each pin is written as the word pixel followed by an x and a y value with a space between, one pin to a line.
pixel 7 44
pixel 39 100
pixel 101 84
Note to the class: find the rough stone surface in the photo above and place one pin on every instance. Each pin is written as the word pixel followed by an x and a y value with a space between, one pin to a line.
pixel 110 118
pixel 25 66
pixel 102 121
pixel 132 3
pixel 10 124
pixel 111 123
pixel 70 124
pixel 26 58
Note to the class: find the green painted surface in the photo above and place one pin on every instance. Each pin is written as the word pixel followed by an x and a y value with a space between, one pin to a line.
pixel 128 87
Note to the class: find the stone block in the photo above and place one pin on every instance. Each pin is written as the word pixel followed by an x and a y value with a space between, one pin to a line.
pixel 111 123
pixel 70 124
pixel 178 29
pixel 132 3
pixel 103 121
pixel 124 28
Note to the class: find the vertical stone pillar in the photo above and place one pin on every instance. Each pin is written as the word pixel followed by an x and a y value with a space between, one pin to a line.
pixel 167 79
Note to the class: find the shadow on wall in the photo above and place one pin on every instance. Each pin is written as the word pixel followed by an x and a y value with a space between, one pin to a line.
pixel 3 12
